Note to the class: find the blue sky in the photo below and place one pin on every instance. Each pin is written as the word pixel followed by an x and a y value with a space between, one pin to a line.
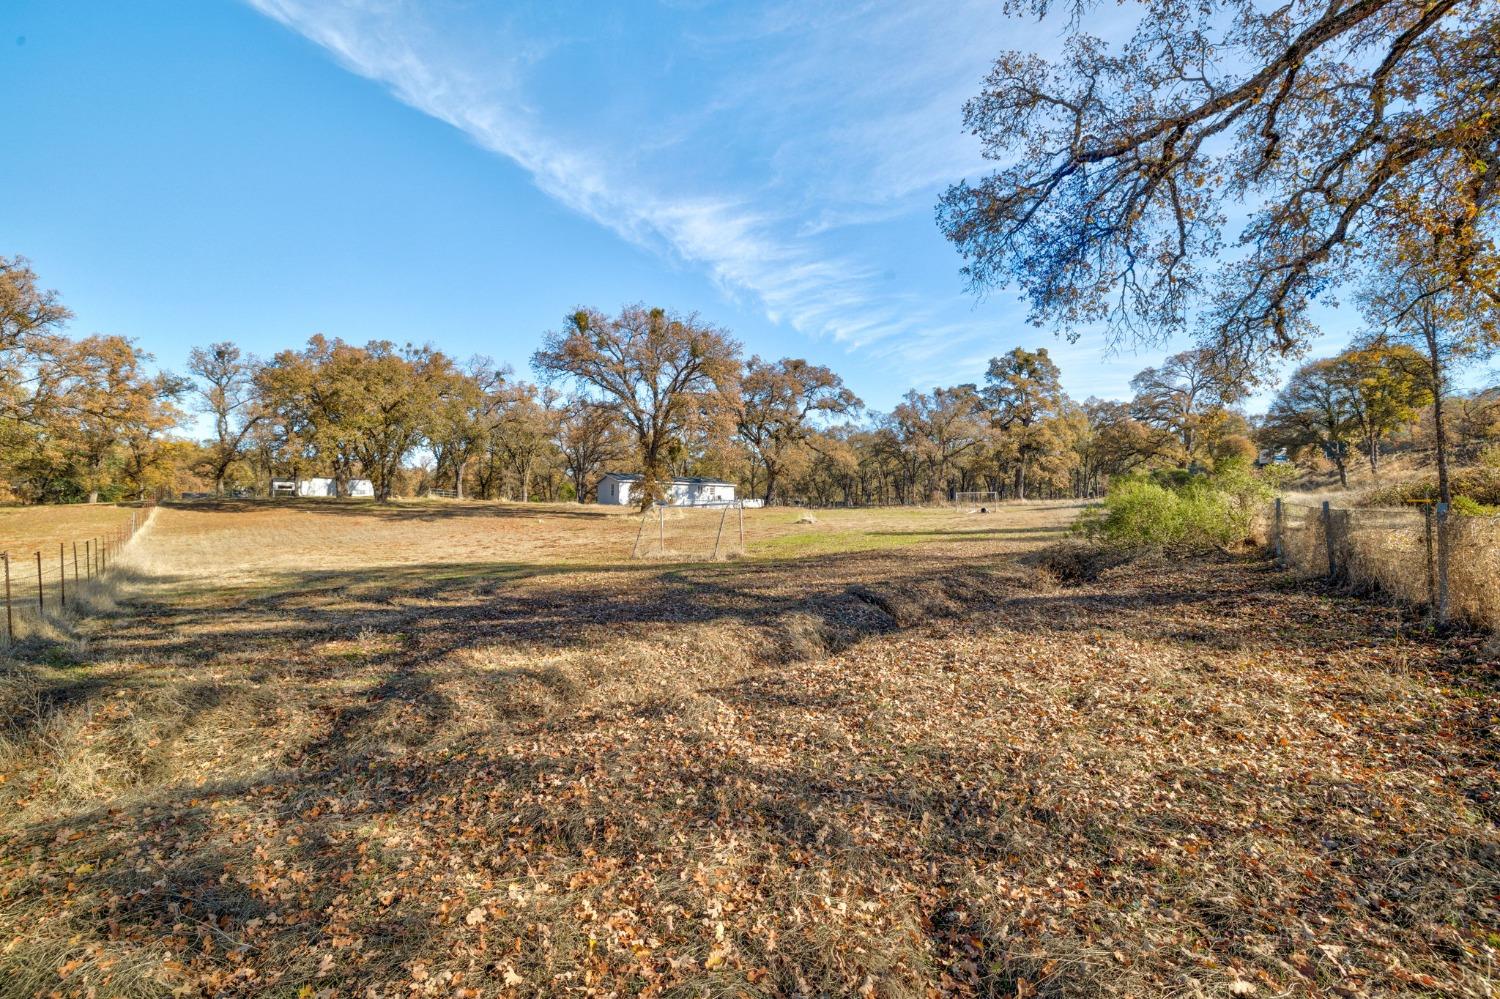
pixel 465 173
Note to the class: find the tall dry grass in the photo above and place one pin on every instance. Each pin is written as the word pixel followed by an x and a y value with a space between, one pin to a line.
pixel 58 733
pixel 1385 550
pixel 1474 572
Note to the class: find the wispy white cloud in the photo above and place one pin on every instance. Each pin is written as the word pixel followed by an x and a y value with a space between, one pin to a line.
pixel 787 150
pixel 864 101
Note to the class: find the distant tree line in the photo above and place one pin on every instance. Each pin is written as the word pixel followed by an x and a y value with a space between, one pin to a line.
pixel 664 394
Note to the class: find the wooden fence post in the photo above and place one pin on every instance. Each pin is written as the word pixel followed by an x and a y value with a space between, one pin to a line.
pixel 1328 540
pixel 1442 563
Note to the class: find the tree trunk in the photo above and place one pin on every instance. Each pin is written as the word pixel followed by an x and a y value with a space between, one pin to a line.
pixel 1439 435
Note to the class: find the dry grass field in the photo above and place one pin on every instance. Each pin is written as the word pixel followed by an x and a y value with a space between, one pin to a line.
pixel 473 750
pixel 24 530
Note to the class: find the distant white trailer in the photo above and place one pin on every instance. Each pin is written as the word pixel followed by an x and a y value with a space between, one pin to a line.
pixel 321 485
pixel 621 489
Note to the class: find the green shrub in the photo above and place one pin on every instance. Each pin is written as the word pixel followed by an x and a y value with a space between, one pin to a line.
pixel 1470 507
pixel 1480 484
pixel 1179 511
pixel 1279 475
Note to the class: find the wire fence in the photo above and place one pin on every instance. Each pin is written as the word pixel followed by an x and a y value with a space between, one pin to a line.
pixel 1426 555
pixel 42 579
pixel 690 538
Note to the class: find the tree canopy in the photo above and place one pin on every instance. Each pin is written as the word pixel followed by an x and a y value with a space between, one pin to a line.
pixel 1334 130
pixel 666 371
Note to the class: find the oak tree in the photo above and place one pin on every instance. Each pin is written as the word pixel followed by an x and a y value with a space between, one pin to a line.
pixel 1023 389
pixel 589 436
pixel 1314 408
pixel 669 374
pixel 1184 397
pixel 777 401
pixel 225 388
pixel 1332 129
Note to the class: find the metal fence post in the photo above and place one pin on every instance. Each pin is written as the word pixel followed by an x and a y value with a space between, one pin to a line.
pixel 62 575
pixel 720 536
pixel 1442 563
pixel 741 506
pixel 1280 545
pixel 1431 564
pixel 10 622
pixel 40 603
pixel 88 558
pixel 75 563
pixel 1328 541
pixel 638 533
pixel 661 531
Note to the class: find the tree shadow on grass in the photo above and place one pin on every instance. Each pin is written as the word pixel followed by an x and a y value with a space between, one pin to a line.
pixel 417 786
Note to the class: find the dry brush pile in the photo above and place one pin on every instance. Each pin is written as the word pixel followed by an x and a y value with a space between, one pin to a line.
pixel 932 772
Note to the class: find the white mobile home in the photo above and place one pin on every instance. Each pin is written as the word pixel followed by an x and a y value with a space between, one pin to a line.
pixel 321 486
pixel 621 489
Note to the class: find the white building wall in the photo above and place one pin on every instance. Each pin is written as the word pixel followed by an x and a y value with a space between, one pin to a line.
pixel 621 492
pixel 613 491
pixel 324 486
